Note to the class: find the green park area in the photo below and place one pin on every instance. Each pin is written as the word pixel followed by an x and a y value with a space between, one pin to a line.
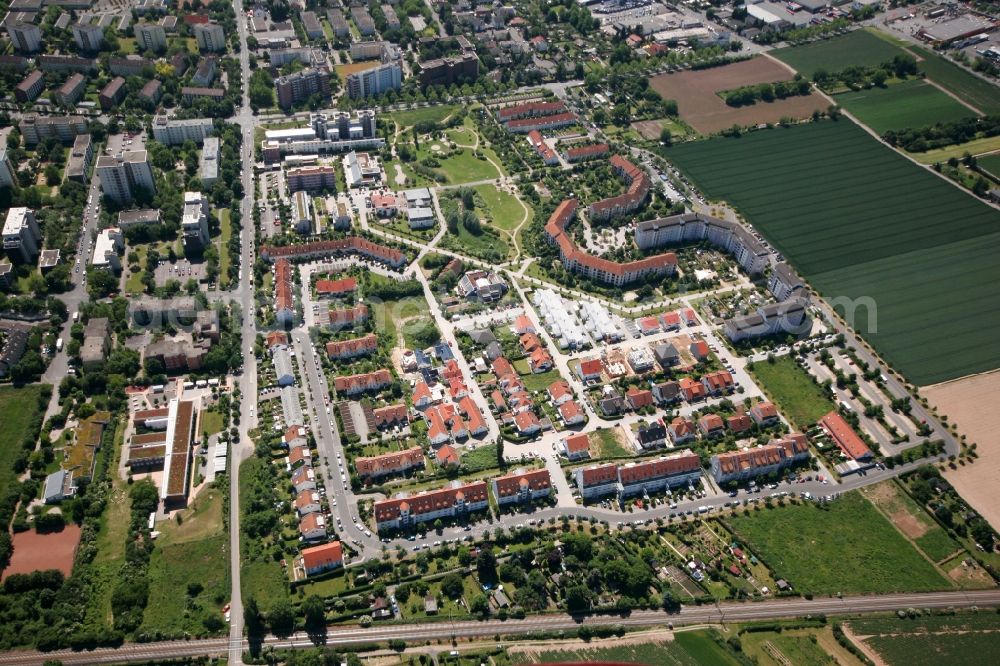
pixel 19 408
pixel 428 114
pixel 867 251
pixel 845 546
pixel 798 397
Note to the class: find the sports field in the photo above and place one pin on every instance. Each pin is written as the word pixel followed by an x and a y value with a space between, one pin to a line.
pixel 848 547
pixel 905 256
pixel 907 104
pixel 859 47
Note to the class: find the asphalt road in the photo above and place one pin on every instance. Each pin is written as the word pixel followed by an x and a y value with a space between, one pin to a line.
pixel 444 630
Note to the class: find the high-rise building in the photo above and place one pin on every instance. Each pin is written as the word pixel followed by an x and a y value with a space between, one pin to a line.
pixel 79 158
pixel 35 128
pixel 26 37
pixel 302 85
pixel 8 174
pixel 121 176
pixel 210 36
pixel 375 81
pixel 208 165
pixel 22 239
pixel 194 222
pixel 453 69
pixel 150 37
pixel 88 33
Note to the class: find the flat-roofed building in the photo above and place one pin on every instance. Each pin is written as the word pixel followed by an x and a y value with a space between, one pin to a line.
pixel 361 169
pixel 176 464
pixel 208 165
pixel 174 131
pixel 24 35
pixel 375 81
pixel 88 32
pixel 138 218
pixel 121 176
pixel 22 237
pixel 301 85
pixel 80 157
pixel 150 37
pixel 194 221
pixel 210 36
pixel 8 174
pixel 311 178
pixel 107 245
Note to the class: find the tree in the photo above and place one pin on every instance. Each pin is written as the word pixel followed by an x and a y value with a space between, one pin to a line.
pixel 666 138
pixel 577 599
pixel 451 585
pixel 486 566
pixel 252 618
pixel 281 618
pixel 314 611
pixel 480 606
pixel 671 603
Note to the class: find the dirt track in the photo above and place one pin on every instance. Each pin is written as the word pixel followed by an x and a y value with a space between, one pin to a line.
pixel 701 107
pixel 38 552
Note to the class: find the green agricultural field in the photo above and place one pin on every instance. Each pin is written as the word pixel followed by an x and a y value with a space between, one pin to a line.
pixel 979 93
pixel 863 225
pixel 798 397
pixel 859 47
pixel 907 104
pixel 847 546
pixel 689 648
pixel 990 164
pixel 970 640
pixel 19 406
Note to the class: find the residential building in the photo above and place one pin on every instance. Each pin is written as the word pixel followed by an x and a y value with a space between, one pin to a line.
pixel 150 37
pixel 181 418
pixel 88 33
pixel 681 430
pixel 326 133
pixel 8 174
pixel 312 527
pixel 651 435
pixel 24 35
pixel 138 218
pixel 454 501
pixel 747 250
pixel 350 245
pixel 194 221
pixel 537 142
pixel 739 423
pixel 311 178
pixel 30 87
pixel 284 301
pixel 521 487
pixel 122 176
pixel 131 65
pixel 172 131
pixel 597 480
pixel 485 286
pixel 638 398
pixel 776 318
pixel 764 414
pixel 576 447
pixel 362 169
pixel 151 91
pixel 80 158
pixel 306 502
pixel 319 559
pixel 559 392
pixel 191 93
pixel 338 22
pixel 352 348
pixel 22 237
pixel 210 36
pixel 35 128
pixel 96 343
pixel 113 94
pixel 204 73
pixel 453 69
pixel 784 283
pixel 542 123
pixel 711 425
pixel 107 246
pixel 666 392
pixel 844 436
pixel 530 110
pixel 336 288
pixel 391 416
pixel 208 163
pixel 659 474
pixel 363 383
pixel 71 90
pixel 584 153
pixel 739 466
pixel 284 372
pixel 375 81
pixel 718 383
pixel 571 413
pixel 397 462
pixel 302 213
pixel 301 85
pixel 312 26
pixel 66 63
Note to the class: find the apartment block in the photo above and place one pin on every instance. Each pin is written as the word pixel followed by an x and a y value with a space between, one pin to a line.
pixel 302 85
pixel 457 500
pixel 35 128
pixel 80 158
pixel 107 245
pixel 71 91
pixel 194 222
pixel 172 132
pixel 210 36
pixel 150 37
pixel 123 175
pixel 375 81
pixel 30 87
pixel 208 164
pixel 113 94
pixel 25 36
pixel 522 487
pixel 88 33
pixel 22 237
pixel 8 174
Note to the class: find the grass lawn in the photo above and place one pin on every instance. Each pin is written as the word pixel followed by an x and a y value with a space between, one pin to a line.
pixel 539 381
pixel 480 458
pixel 859 47
pixel 907 104
pixel 975 147
pixel 190 557
pixel 847 546
pixel 981 94
pixel 798 397
pixel 488 245
pixel 797 646
pixel 225 233
pixel 971 640
pixel 991 163
pixel 868 250
pixel 19 406
pixel 901 509
pixel 503 209
pixel 211 422
pixel 465 167
pixel 430 114
pixel 126 45
pixel 607 443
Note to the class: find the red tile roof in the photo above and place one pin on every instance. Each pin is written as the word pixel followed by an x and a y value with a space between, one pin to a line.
pixel 639 398
pixel 283 299
pixel 699 348
pixel 577 443
pixel 347 316
pixel 763 411
pixel 587 152
pixel 349 245
pixel 591 367
pixel 512 483
pixel 718 381
pixel 559 389
pixel 367 381
pixel 432 500
pixel 336 287
pixel 739 423
pixel 844 436
pixel 390 415
pixel 353 347
pixel 570 410
pixel 275 338
pixel 548 120
pixel 691 389
pixel 711 423
pixel 447 455
pixel 680 463
pixel 638 188
pixel 526 421
pixel 598 475
pixel 325 556
pixel 529 110
pixel 390 463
